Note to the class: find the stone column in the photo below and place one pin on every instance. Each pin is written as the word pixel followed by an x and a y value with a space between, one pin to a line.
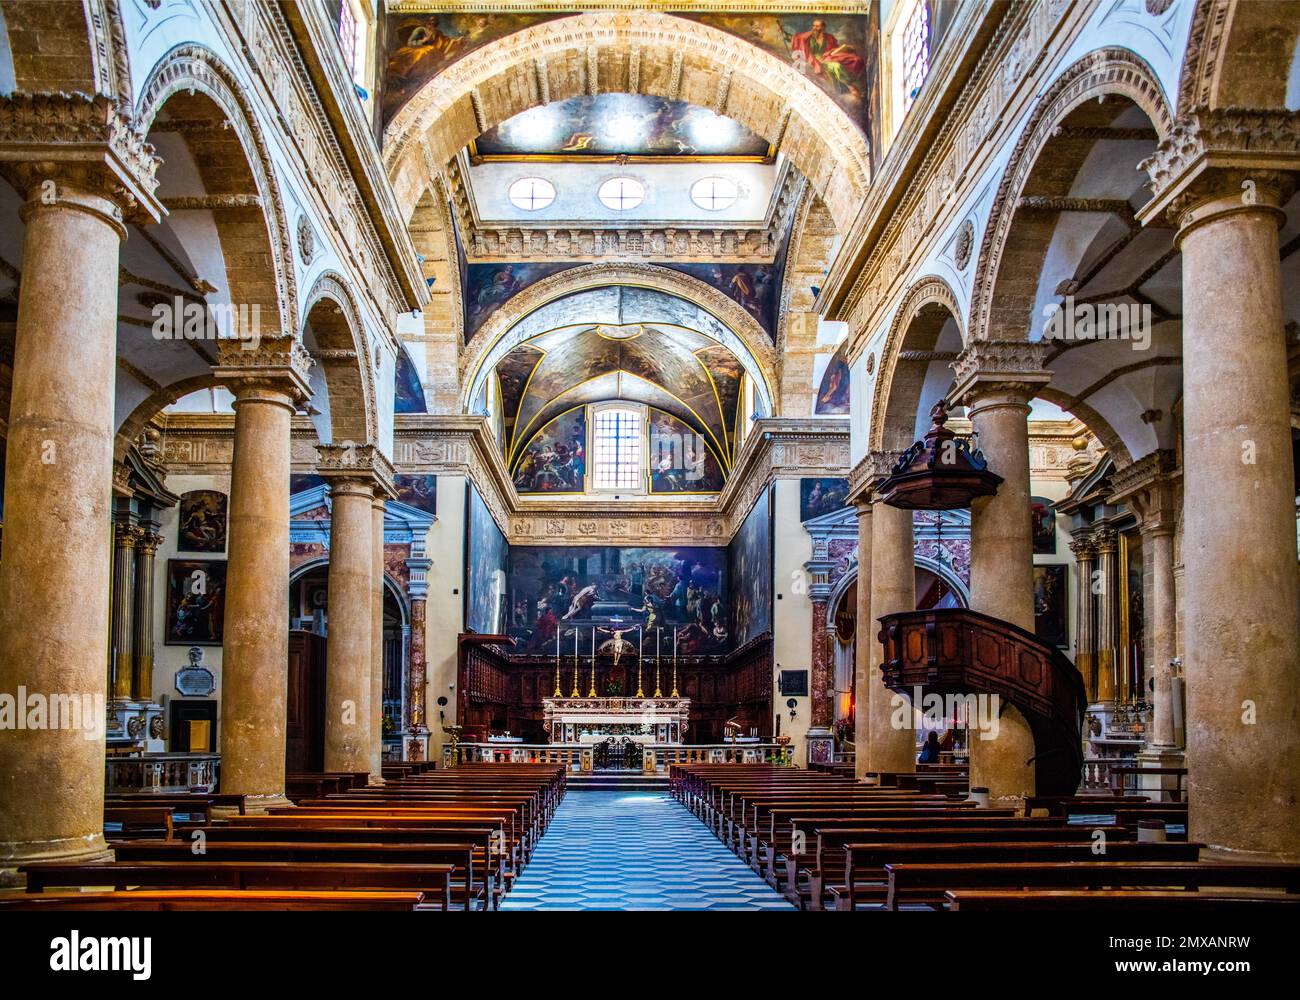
pixel 348 716
pixel 891 747
pixel 268 381
pixel 1107 592
pixel 1085 642
pixel 377 643
pixel 122 633
pixel 417 744
pixel 54 612
pixel 1242 588
pixel 864 642
pixel 142 669
pixel 996 379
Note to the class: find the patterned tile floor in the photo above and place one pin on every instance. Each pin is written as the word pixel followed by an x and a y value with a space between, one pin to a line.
pixel 635 851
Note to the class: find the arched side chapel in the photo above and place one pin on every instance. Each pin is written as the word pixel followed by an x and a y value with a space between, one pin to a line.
pixel 588 387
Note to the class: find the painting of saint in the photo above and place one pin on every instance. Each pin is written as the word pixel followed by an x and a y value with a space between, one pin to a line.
pixel 202 522
pixel 420 46
pixel 816 52
pixel 1050 622
pixel 196 602
pixel 1043 513
pixel 680 459
pixel 420 492
pixel 753 286
pixel 408 393
pixel 821 496
pixel 833 394
pixel 555 460
pixel 489 286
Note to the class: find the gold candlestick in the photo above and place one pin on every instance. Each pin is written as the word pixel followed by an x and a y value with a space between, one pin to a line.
pixel 658 693
pixel 577 692
pixel 674 694
pixel 592 692
pixel 640 691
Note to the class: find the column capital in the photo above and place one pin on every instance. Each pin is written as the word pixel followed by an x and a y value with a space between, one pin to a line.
pixel 1222 160
pixel 364 464
pixel 60 148
pixel 128 535
pixel 148 543
pixel 873 467
pixel 1106 540
pixel 1000 372
pixel 1084 548
pixel 274 365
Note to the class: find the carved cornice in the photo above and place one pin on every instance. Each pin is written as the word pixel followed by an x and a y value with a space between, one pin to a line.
pixel 1152 487
pixel 1000 366
pixel 279 364
pixel 1214 153
pixel 46 136
pixel 356 462
pixel 873 467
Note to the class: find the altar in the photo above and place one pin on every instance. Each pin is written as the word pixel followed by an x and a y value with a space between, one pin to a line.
pixel 590 720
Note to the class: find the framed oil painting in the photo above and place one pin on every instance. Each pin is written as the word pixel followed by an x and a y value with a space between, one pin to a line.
pixel 1050 604
pixel 196 602
pixel 1043 513
pixel 202 522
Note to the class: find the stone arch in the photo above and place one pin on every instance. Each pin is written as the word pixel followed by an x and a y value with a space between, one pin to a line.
pixel 812 239
pixel 432 233
pixel 1238 55
pixel 1102 73
pixel 641 52
pixel 752 337
pixel 89 56
pixel 920 317
pixel 262 270
pixel 341 350
pixel 133 426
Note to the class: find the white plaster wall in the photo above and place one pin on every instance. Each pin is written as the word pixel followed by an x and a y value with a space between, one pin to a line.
pixel 444 615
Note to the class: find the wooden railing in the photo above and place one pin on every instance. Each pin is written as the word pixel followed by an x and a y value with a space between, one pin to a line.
pixel 570 754
pixel 959 651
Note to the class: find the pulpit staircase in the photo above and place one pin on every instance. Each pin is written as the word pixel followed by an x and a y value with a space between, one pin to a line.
pixel 959 651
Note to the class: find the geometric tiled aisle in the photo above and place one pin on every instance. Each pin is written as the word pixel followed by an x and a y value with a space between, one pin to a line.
pixel 621 850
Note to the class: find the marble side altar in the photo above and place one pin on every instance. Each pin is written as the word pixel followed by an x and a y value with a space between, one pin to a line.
pixel 582 720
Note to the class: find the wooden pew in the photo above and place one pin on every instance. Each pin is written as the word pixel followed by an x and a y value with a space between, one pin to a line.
pixel 1003 901
pixel 139 821
pixel 928 883
pixel 433 880
pixel 864 864
pixel 216 899
pixel 467 888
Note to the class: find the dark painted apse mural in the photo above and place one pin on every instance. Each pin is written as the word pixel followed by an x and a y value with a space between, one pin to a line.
pixel 555 459
pixel 680 459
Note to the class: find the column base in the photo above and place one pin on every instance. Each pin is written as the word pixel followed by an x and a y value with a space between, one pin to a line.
pixel 72 851
pixel 375 781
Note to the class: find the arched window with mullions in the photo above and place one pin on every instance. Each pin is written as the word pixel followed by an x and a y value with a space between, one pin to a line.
pixel 618 448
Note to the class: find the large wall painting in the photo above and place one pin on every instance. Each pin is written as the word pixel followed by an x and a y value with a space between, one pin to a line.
pixel 833 393
pixel 202 525
pixel 408 393
pixel 751 573
pixel 555 459
pixel 1042 511
pixel 490 286
pixel 557 590
pixel 619 125
pixel 196 602
pixel 680 459
pixel 486 553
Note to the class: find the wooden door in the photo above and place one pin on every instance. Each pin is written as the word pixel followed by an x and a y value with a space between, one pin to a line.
pixel 304 749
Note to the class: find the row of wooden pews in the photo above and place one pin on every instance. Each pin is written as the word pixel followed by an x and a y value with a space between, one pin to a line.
pixel 426 839
pixel 827 841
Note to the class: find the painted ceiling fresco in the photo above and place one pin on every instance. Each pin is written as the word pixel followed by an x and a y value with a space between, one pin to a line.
pixel 679 372
pixel 420 46
pixel 618 125
pixel 833 393
pixel 754 287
